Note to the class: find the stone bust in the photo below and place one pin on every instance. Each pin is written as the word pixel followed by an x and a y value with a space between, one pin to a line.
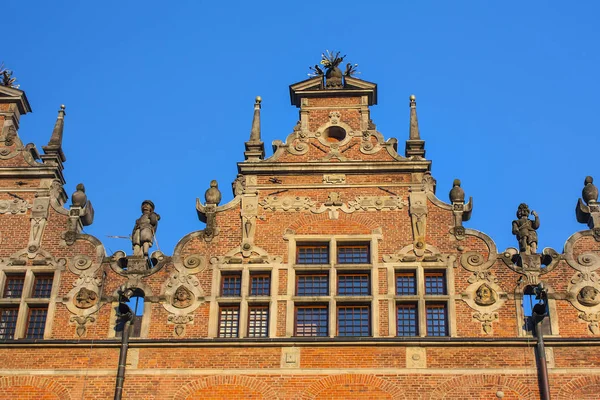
pixel 588 296
pixel 485 296
pixel 182 297
pixel 85 298
pixel 525 229
pixel 144 230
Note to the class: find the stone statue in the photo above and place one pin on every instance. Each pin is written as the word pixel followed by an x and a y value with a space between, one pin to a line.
pixel 144 229
pixel 525 229
pixel 239 185
pixel 79 198
pixel 333 74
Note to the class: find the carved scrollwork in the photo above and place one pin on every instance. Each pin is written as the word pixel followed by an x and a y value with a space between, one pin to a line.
pixel 286 203
pixel 180 322
pixel 81 323
pixel 476 262
pixel 16 206
pixel 194 263
pixel 585 262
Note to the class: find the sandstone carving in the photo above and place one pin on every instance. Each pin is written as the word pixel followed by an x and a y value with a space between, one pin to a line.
pixel 16 206
pixel 183 297
pixel 589 296
pixel 144 230
pixel 525 229
pixel 485 295
pixel 85 298
pixel 286 203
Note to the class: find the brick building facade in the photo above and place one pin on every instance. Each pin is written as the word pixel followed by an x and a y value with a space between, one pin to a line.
pixel 336 272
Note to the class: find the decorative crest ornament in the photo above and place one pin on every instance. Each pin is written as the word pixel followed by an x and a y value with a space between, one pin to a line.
pixel 7 78
pixel 333 74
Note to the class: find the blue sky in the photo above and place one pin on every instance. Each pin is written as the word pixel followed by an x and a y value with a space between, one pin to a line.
pixel 159 96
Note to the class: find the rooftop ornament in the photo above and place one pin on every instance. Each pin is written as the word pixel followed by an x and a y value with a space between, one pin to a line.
pixel 334 77
pixel 7 78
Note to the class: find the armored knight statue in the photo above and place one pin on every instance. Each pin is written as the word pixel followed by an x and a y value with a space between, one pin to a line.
pixel 525 229
pixel 144 230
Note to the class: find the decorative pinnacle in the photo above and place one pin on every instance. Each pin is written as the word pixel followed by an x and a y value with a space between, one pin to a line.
pixel 55 144
pixel 258 99
pixel 414 122
pixel 255 148
pixel 255 131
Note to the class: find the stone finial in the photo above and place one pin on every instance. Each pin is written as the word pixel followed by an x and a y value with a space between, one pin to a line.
pixel 457 194
pixel 590 191
pixel 415 147
pixel 144 229
pixel 255 148
pixel 525 229
pixel 588 207
pixel 54 146
pixel 213 194
pixel 79 198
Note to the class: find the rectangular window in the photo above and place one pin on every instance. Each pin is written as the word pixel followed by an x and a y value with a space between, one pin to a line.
pixel 312 285
pixel 353 321
pixel 407 320
pixel 353 284
pixel 36 323
pixel 258 321
pixel 260 284
pixel 435 282
pixel 8 322
pixel 229 318
pixel 406 283
pixel 231 285
pixel 437 320
pixel 311 321
pixel 353 254
pixel 42 286
pixel 13 288
pixel 312 254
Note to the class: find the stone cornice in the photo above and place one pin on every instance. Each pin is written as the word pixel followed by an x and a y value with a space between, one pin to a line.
pixel 269 168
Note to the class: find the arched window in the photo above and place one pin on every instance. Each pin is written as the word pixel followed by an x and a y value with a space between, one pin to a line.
pixel 136 304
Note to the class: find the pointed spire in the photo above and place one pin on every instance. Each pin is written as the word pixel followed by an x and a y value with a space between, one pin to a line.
pixel 414 122
pixel 54 146
pixel 255 148
pixel 415 147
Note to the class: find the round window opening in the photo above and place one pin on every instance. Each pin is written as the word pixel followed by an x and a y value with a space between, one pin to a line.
pixel 334 134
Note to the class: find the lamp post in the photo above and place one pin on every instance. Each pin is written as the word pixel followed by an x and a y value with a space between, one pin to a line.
pixel 539 312
pixel 125 315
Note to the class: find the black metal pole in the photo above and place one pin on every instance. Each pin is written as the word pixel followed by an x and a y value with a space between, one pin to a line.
pixel 122 359
pixel 540 355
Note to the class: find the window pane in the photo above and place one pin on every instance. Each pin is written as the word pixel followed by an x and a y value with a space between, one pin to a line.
pixel 313 254
pixel 353 284
pixel 258 321
pixel 8 322
pixel 36 323
pixel 406 283
pixel 407 320
pixel 260 285
pixel 312 285
pixel 231 285
pixel 353 321
pixel 436 320
pixel 355 254
pixel 229 322
pixel 42 286
pixel 435 283
pixel 311 321
pixel 14 286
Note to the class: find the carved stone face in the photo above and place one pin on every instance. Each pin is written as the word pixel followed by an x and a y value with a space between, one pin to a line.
pixel 85 298
pixel 147 208
pixel 523 211
pixel 485 295
pixel 588 296
pixel 182 298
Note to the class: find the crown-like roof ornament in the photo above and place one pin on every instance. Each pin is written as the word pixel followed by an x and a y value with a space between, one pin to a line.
pixel 334 77
pixel 6 78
